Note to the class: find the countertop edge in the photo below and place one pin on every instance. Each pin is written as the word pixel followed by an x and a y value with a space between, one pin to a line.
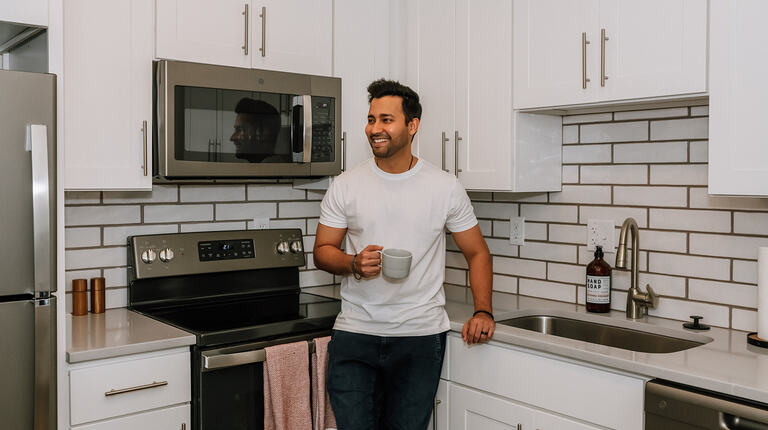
pixel 136 348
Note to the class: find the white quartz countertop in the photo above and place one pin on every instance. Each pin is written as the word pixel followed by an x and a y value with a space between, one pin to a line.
pixel 728 364
pixel 118 332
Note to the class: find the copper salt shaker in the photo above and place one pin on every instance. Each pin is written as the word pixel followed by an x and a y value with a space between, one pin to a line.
pixel 97 295
pixel 79 297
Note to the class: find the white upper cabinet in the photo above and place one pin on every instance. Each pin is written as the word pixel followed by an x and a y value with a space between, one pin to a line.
pixel 29 12
pixel 203 31
pixel 359 58
pixel 738 159
pixel 591 51
pixel 107 95
pixel 286 35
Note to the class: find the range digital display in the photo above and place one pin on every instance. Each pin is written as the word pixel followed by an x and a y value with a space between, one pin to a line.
pixel 225 249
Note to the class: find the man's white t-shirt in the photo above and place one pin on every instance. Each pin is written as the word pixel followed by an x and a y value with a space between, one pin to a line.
pixel 411 211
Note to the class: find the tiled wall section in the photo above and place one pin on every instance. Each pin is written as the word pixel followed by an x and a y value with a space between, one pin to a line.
pixel 697 251
pixel 98 224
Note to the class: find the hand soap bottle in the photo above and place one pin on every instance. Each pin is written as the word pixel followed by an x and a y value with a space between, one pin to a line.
pixel 598 283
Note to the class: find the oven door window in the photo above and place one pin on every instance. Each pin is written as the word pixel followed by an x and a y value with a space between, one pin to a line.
pixel 233 398
pixel 232 126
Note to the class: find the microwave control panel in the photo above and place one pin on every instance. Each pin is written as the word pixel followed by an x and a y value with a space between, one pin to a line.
pixel 323 130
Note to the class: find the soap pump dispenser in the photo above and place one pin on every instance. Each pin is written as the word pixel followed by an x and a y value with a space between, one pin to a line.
pixel 598 283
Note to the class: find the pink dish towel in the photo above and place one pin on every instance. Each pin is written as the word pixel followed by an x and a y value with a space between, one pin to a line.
pixel 286 387
pixel 321 405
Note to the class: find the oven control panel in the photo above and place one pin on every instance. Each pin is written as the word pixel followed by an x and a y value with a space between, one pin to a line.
pixel 160 255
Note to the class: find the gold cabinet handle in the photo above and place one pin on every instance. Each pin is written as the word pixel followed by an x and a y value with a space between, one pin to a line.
pixel 603 38
pixel 154 384
pixel 584 43
pixel 245 39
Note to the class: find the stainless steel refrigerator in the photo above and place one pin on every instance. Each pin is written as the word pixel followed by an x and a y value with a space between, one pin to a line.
pixel 27 251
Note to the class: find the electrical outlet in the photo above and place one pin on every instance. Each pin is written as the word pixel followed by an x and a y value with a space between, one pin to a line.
pixel 260 223
pixel 517 230
pixel 601 233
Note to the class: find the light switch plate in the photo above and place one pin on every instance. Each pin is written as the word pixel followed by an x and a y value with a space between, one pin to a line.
pixel 601 233
pixel 517 230
pixel 260 223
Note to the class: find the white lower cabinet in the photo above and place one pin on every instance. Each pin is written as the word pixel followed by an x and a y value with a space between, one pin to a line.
pixel 146 391
pixel 499 386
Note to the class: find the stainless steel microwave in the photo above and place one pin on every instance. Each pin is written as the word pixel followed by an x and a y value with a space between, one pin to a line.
pixel 216 122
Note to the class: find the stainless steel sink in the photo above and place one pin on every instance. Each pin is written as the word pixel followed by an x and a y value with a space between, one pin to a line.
pixel 604 334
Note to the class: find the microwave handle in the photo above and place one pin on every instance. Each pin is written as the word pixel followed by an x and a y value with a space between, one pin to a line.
pixel 297 131
pixel 307 128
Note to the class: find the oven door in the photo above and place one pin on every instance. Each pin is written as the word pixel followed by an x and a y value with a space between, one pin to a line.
pixel 228 387
pixel 227 122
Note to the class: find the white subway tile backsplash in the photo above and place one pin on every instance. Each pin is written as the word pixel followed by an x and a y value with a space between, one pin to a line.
pixel 505 284
pixel 553 213
pixel 486 226
pixel 212 193
pixel 680 310
pixel 520 267
pixel 726 245
pixel 119 235
pixel 501 247
pixel 117 277
pixel 312 278
pixel 679 174
pixel 69 275
pixel 699 110
pixel 614 174
pixel 584 154
pixel 213 226
pixel 618 214
pixel 549 252
pixel 701 199
pixel 535 231
pixel 259 192
pixel 455 293
pixel 669 241
pixel 745 271
pixel 116 298
pixel 298 209
pixel 455 260
pixel 285 223
pixel 724 293
pixel 499 229
pixel 159 194
pixel 586 256
pixel 312 225
pixel 654 152
pixel 614 132
pixel 569 273
pixel 82 237
pixel 82 197
pixel 547 290
pixel 101 215
pixel 691 220
pixel 570 134
pixel 699 151
pixel 76 259
pixel 495 210
pixel 456 276
pixel 568 233
pixel 570 174
pixel 650 196
pixel 750 223
pixel 315 194
pixel 743 319
pixel 582 194
pixel 650 114
pixel 177 213
pixel 592 117
pixel 675 129
pixel 662 284
pixel 245 211
pixel 686 265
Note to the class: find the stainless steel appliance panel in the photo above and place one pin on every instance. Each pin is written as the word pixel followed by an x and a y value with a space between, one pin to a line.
pixel 27 99
pixel 17 364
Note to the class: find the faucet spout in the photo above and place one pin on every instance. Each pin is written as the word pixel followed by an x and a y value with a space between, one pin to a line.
pixel 637 301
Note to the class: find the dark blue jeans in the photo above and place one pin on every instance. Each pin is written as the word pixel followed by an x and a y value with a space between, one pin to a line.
pixel 382 383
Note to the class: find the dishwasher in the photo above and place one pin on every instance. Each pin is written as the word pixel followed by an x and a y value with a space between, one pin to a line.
pixel 672 406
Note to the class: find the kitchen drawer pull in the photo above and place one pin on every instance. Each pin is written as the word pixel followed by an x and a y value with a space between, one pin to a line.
pixel 154 384
pixel 434 410
pixel 263 16
pixel 584 43
pixel 245 40
pixel 603 38
pixel 445 140
pixel 456 139
pixel 144 141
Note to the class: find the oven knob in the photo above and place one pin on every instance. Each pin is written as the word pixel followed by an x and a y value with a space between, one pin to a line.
pixel 283 247
pixel 148 256
pixel 166 255
pixel 296 247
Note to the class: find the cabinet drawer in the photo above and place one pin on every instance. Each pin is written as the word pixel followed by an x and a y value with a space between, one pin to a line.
pixel 583 392
pixel 124 387
pixel 175 418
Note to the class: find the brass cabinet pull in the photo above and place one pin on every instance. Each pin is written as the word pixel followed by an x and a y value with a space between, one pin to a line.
pixel 245 40
pixel 445 140
pixel 154 384
pixel 456 139
pixel 603 38
pixel 584 43
pixel 263 16
pixel 144 140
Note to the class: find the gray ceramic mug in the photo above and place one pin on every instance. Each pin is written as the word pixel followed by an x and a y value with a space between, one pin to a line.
pixel 395 263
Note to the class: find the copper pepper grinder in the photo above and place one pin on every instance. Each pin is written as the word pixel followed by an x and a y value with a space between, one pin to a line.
pixel 79 297
pixel 97 295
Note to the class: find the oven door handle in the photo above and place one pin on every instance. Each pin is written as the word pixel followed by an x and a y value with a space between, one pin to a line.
pixel 221 361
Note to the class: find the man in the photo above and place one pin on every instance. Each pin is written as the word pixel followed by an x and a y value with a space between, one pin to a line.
pixel 257 125
pixel 388 343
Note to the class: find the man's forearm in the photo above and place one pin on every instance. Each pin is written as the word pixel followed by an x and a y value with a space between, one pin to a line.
pixel 481 281
pixel 333 260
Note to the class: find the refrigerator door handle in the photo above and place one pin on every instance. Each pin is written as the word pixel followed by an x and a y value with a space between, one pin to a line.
pixel 37 143
pixel 45 363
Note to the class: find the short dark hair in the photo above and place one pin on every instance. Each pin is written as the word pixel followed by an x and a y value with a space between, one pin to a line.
pixel 383 87
pixel 261 111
